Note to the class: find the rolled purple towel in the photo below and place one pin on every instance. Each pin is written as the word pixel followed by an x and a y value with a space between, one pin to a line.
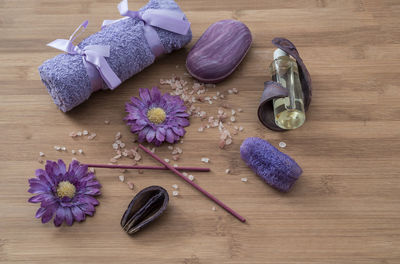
pixel 274 167
pixel 65 75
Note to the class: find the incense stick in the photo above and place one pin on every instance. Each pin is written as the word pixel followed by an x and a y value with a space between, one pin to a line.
pixel 110 166
pixel 210 196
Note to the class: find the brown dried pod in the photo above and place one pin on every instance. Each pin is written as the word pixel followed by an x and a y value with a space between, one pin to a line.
pixel 144 208
pixel 273 90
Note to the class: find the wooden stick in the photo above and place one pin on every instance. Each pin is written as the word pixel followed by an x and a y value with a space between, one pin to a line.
pixel 110 166
pixel 224 206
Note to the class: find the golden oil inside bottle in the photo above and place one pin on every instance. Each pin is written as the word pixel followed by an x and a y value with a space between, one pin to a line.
pixel 289 111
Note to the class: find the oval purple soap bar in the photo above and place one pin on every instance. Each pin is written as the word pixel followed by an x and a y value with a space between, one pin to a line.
pixel 274 167
pixel 219 51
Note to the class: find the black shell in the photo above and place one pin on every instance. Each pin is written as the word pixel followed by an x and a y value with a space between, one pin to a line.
pixel 144 208
pixel 274 90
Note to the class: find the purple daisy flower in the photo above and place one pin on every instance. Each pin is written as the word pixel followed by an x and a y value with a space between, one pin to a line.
pixel 66 194
pixel 157 118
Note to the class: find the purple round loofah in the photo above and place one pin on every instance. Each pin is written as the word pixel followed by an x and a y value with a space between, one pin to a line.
pixel 274 167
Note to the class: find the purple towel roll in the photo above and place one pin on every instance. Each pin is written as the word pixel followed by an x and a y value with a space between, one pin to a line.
pixel 65 75
pixel 274 167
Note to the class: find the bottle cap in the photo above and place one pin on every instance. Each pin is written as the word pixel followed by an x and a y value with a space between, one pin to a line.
pixel 279 53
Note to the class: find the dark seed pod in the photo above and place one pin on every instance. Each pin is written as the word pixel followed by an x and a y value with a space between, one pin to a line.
pixel 144 208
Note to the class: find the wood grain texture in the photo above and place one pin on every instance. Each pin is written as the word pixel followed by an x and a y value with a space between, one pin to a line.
pixel 344 209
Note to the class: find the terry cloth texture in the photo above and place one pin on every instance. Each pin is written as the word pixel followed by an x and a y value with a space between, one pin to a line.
pixel 274 167
pixel 65 75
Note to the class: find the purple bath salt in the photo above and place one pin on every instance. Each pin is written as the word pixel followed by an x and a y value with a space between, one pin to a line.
pixel 66 77
pixel 274 167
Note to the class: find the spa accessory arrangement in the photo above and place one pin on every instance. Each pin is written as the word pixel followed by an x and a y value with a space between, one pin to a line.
pixel 124 47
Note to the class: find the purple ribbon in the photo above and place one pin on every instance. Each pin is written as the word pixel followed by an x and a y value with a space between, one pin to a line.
pixel 170 20
pixel 93 58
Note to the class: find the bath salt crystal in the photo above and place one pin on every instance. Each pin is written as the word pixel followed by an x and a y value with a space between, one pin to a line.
pixel 122 145
pixel 92 136
pixel 220 111
pixel 166 160
pixel 205 160
pixel 228 141
pixel 215 97
pixel 79 133
pixel 179 150
pixel 85 132
pixel 240 110
pixel 73 158
pixel 182 141
pixel 201 129
pixel 282 144
pixel 40 161
pixel 41 154
pixel 131 185
pixel 112 160
pixel 72 134
pixel 73 151
pixel 227 171
pixel 121 178
pixel 92 170
pixel 230 91
pixel 117 156
pixel 222 96
pixel 115 146
pixel 233 119
pixel 243 179
pixel 63 148
pixel 153 150
pixel 218 93
pixel 185 174
pixel 175 186
pixel 233 112
pixel 107 122
pixel 235 91
pixel 213 208
pixel 241 128
pixel 175 193
pixel 170 147
pixel 58 148
pixel 191 177
pixel 235 127
pixel 175 157
pixel 118 135
pixel 140 171
pixel 80 151
pixel 175 165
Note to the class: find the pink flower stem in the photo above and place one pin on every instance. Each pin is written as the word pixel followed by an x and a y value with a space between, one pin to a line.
pixel 109 166
pixel 224 206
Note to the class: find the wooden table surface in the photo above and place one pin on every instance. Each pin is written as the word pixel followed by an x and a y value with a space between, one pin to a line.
pixel 345 208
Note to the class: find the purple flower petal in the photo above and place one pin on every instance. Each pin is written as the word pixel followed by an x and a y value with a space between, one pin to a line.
pixel 87 208
pixel 145 95
pixel 160 134
pixel 40 212
pixel 78 214
pixel 150 135
pixel 60 216
pixel 48 214
pixel 170 136
pixel 155 95
pixel 68 216
pixel 179 131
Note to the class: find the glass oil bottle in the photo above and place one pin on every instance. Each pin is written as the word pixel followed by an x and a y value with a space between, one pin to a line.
pixel 289 111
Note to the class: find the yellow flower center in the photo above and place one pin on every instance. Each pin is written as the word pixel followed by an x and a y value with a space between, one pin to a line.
pixel 65 188
pixel 156 115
